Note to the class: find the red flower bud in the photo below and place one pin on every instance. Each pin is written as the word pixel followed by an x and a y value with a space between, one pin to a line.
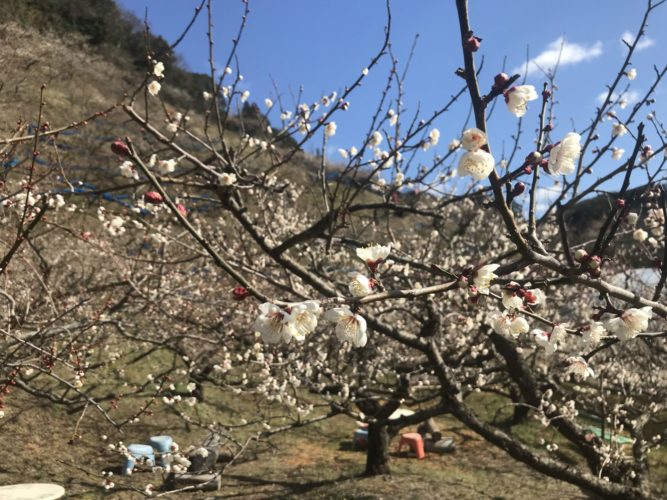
pixel 500 80
pixel 620 203
pixel 240 293
pixel 182 210
pixel 153 197
pixel 528 170
pixel 518 188
pixel 530 297
pixel 546 93
pixel 120 148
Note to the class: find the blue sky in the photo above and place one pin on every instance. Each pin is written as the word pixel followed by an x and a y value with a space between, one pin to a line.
pixel 323 45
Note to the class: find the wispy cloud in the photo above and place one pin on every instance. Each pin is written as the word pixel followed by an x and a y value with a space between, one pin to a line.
pixel 631 96
pixel 644 43
pixel 560 53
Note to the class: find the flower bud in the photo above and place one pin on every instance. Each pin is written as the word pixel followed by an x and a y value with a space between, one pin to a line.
pixel 517 189
pixel 594 262
pixel 120 148
pixel 500 80
pixel 472 43
pixel 240 293
pixel 153 197
pixel 620 203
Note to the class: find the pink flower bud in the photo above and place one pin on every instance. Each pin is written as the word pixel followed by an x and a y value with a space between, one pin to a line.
pixel 182 210
pixel 472 43
pixel 620 203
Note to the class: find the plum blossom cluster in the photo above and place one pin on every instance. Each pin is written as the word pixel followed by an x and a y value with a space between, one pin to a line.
pixel 295 321
pixel 476 162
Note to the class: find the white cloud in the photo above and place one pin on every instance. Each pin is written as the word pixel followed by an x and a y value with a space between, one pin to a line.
pixel 562 53
pixel 644 43
pixel 632 96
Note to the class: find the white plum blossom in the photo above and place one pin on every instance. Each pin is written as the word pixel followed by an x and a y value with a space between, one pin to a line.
pixel 330 129
pixel 517 98
pixel 245 95
pixel 501 324
pixel 434 137
pixel 154 88
pixel 376 139
pixel 303 318
pixel 207 96
pixel 343 153
pixel 579 366
pixel 454 145
pixel 477 164
pixel 57 201
pixel 505 325
pixel 519 325
pixel 632 218
pixel 639 235
pixel 227 179
pixel 158 70
pixel 127 170
pixel 268 103
pixel 631 73
pixel 564 154
pixel 617 153
pixel 544 339
pixel 274 324
pixel 373 255
pixel 165 167
pixel 592 333
pixel 483 276
pixel 472 139
pixel 511 300
pixel 360 285
pixel 618 130
pixel 116 226
pixel 630 322
pixel 350 327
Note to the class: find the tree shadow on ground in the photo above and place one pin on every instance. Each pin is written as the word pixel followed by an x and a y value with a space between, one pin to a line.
pixel 289 487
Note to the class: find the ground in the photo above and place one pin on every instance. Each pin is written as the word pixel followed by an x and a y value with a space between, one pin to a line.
pixel 313 462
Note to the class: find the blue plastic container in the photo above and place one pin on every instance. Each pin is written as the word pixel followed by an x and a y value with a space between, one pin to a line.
pixel 161 445
pixel 137 452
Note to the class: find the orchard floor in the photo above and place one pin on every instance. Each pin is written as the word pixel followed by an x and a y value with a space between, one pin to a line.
pixel 313 462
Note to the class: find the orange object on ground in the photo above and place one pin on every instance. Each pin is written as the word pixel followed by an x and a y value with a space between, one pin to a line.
pixel 414 441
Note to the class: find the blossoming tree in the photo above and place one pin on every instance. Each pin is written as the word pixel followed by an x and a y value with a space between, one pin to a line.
pixel 373 282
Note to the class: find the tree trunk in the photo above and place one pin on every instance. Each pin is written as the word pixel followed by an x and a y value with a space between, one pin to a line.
pixel 377 456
